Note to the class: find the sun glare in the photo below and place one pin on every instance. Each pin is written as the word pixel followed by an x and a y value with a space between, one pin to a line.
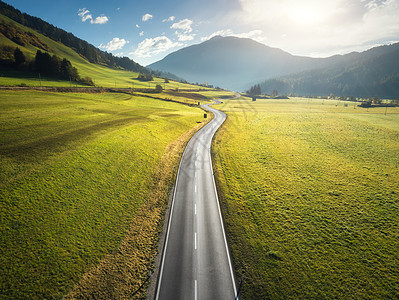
pixel 305 12
pixel 305 15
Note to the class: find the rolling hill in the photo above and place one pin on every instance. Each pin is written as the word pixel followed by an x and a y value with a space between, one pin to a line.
pixel 31 34
pixel 29 41
pixel 83 48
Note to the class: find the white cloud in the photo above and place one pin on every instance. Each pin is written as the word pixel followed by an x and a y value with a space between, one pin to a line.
pixel 226 32
pixel 85 15
pixel 315 27
pixel 184 37
pixel 147 17
pixel 170 19
pixel 256 35
pixel 115 44
pixel 154 46
pixel 183 30
pixel 184 25
pixel 137 25
pixel 100 20
pixel 141 33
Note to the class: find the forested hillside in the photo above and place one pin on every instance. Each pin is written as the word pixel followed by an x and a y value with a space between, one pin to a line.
pixel 83 48
pixel 368 74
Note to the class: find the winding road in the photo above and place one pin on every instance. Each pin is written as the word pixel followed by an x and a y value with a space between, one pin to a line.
pixel 196 262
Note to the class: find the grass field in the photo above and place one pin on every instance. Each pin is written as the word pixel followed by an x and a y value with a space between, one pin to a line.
pixel 84 181
pixel 310 195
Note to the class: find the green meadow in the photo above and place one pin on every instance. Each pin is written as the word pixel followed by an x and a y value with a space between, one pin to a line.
pixel 81 174
pixel 310 196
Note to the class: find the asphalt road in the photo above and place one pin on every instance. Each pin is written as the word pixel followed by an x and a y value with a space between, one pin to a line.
pixel 196 262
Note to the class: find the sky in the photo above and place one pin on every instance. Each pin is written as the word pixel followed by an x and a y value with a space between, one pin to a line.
pixel 148 30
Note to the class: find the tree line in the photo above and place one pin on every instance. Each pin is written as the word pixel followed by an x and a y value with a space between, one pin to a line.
pixel 48 65
pixel 254 90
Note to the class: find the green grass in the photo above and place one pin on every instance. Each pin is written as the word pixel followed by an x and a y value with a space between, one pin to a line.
pixel 193 97
pixel 310 195
pixel 75 169
pixel 103 76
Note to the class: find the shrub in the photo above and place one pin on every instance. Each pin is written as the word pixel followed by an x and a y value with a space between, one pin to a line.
pixel 158 88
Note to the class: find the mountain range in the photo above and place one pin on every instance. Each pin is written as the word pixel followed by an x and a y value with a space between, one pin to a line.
pixel 228 62
pixel 237 63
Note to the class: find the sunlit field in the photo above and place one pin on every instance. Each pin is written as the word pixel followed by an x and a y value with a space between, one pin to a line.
pixel 310 195
pixel 84 178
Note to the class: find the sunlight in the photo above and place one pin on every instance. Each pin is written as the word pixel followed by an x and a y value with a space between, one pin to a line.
pixel 306 12
pixel 309 12
pixel 306 15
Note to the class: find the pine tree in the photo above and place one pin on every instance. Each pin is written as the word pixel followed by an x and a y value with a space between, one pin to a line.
pixel 19 57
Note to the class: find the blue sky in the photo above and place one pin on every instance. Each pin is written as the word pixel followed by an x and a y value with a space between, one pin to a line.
pixel 148 30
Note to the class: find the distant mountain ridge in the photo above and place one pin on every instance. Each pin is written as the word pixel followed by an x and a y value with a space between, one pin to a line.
pixel 237 63
pixel 374 72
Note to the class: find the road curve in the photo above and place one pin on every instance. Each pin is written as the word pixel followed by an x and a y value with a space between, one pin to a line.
pixel 196 262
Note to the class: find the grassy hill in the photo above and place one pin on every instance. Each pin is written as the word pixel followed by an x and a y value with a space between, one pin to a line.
pixel 102 75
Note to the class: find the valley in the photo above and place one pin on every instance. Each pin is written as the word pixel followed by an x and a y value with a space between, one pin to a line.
pixel 119 181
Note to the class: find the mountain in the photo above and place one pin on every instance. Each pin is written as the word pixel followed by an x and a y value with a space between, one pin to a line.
pixel 231 62
pixel 371 73
pixel 237 63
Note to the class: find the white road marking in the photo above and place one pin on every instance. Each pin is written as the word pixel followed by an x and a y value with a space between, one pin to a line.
pixel 195 208
pixel 195 290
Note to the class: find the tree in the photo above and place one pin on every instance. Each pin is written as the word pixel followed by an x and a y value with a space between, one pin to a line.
pixel 145 77
pixel 69 72
pixel 158 88
pixel 19 57
pixel 42 62
pixel 254 90
pixel 55 66
pixel 376 100
pixel 87 80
